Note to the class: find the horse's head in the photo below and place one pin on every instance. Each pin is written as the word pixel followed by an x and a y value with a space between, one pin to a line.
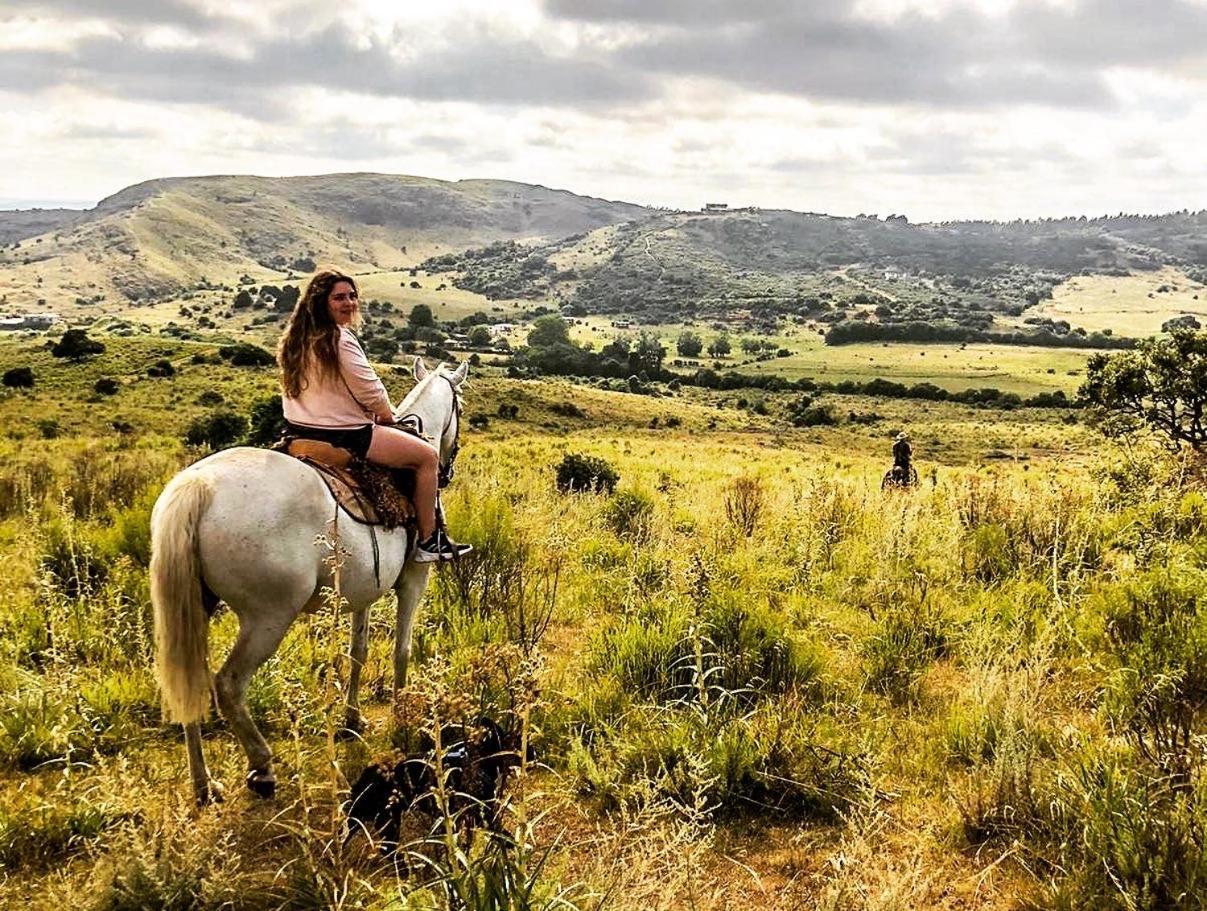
pixel 436 402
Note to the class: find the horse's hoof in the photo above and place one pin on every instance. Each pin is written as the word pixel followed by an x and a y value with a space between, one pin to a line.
pixel 262 783
pixel 211 792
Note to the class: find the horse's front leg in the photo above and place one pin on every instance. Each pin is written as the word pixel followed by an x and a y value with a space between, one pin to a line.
pixel 410 587
pixel 353 723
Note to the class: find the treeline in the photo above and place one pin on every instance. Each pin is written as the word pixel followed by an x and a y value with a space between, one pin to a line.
pixel 989 396
pixel 852 331
pixel 551 352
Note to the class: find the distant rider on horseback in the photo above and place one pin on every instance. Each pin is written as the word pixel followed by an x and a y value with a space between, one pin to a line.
pixel 902 453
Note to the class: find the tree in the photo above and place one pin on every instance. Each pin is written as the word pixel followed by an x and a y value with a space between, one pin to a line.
pixel 19 378
pixel 480 337
pixel 646 356
pixel 689 344
pixel 549 330
pixel 267 421
pixel 1161 384
pixel 243 300
pixel 1186 321
pixel 76 345
pixel 421 317
pixel 719 346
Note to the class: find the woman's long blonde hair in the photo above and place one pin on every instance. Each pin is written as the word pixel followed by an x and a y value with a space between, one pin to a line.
pixel 309 346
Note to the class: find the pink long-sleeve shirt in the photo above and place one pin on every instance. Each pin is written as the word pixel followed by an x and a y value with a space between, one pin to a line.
pixel 355 398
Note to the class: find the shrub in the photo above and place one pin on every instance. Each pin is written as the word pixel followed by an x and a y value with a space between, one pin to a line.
pixel 211 398
pixel 815 416
pixel 161 368
pixel 629 513
pixel 745 498
pixel 895 657
pixel 76 345
pixel 775 760
pixel 479 421
pixel 246 355
pixel 267 421
pixel 106 386
pixel 19 378
pixel 222 428
pixel 579 472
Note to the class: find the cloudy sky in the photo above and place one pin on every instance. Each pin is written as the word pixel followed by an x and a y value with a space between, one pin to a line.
pixel 934 108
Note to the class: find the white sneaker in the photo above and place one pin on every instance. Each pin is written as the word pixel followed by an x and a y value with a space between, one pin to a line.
pixel 439 547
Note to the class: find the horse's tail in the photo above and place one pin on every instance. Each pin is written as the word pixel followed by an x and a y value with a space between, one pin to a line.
pixel 181 623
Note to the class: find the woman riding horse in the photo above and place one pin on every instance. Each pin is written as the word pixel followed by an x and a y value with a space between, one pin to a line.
pixel 331 393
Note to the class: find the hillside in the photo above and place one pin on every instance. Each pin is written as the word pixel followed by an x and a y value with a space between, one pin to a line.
pixel 163 239
pixel 771 263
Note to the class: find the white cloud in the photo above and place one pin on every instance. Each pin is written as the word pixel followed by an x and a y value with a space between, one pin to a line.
pixel 935 108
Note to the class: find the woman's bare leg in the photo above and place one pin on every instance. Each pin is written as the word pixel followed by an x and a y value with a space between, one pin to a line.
pixel 398 449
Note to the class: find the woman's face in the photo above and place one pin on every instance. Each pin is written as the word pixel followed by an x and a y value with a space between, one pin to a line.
pixel 342 303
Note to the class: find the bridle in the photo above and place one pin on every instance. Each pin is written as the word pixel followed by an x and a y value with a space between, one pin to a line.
pixel 414 423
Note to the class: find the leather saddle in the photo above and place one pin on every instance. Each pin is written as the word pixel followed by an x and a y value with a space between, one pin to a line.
pixel 370 494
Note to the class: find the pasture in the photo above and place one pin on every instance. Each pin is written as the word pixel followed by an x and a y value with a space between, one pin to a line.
pixel 748 676
pixel 1134 305
pixel 1023 369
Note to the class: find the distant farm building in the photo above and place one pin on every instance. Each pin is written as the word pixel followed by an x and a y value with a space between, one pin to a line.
pixel 715 207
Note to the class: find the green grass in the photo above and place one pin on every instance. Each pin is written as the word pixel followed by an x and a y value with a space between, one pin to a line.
pixel 1130 305
pixel 752 653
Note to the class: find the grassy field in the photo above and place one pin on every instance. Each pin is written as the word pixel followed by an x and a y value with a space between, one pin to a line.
pixel 1134 305
pixel 1012 368
pixel 764 682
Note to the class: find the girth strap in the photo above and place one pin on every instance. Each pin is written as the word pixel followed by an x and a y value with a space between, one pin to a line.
pixel 361 504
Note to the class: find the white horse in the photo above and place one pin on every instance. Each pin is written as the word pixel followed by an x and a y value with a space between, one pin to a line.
pixel 240 526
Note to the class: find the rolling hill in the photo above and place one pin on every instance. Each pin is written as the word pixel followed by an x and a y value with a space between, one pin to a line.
pixel 163 238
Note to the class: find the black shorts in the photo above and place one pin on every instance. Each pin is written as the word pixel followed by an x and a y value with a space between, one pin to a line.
pixel 354 439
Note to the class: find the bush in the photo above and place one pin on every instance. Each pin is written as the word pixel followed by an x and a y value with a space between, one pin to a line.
pixel 161 368
pixel 578 472
pixel 815 416
pixel 629 512
pixel 106 386
pixel 217 430
pixel 76 345
pixel 267 420
pixel 19 378
pixel 246 355
pixel 745 498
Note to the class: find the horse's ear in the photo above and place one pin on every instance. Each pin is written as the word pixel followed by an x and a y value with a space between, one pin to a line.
pixel 460 374
pixel 420 370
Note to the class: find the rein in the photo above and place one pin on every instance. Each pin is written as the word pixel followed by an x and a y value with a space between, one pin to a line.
pixel 415 422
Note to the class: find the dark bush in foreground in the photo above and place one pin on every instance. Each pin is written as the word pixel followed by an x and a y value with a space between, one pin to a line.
pixel 580 472
pixel 222 428
pixel 19 378
pixel 106 386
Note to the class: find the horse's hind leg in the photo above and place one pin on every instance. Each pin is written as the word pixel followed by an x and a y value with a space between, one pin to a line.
pixel 205 788
pixel 353 724
pixel 255 645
